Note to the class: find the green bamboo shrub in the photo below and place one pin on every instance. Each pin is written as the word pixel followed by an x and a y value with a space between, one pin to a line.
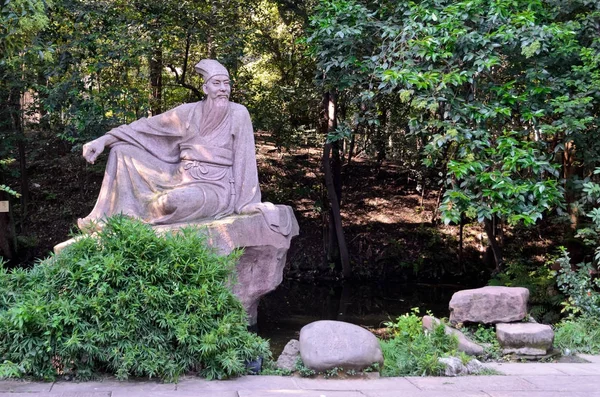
pixel 129 303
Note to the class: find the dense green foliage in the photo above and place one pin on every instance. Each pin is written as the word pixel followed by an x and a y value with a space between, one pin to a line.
pixel 414 352
pixel 498 95
pixel 128 302
pixel 579 282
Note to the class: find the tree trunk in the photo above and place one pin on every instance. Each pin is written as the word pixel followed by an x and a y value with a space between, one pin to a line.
pixel 571 169
pixel 331 177
pixel 488 225
pixel 156 66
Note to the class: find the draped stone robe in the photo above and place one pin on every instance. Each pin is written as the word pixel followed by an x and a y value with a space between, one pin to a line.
pixel 175 168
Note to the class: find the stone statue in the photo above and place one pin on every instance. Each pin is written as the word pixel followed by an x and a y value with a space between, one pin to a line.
pixel 194 162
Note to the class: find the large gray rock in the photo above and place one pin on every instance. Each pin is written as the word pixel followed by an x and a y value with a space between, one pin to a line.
pixel 260 269
pixel 328 344
pixel 525 338
pixel 287 359
pixel 465 344
pixel 489 305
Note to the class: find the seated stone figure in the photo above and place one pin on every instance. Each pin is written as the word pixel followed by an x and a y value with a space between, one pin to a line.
pixel 194 162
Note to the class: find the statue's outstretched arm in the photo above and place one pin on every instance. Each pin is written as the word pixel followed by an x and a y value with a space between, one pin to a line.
pixel 92 150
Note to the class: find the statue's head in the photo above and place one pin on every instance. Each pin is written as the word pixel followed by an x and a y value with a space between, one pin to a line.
pixel 216 80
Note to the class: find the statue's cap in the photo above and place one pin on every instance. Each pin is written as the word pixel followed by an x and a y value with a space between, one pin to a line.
pixel 209 68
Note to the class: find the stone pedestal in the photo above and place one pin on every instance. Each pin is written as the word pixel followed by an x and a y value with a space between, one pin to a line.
pixel 260 269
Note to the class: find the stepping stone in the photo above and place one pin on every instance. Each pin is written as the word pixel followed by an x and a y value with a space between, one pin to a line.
pixel 525 338
pixel 489 305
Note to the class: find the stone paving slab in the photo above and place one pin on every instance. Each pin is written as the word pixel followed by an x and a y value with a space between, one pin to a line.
pixel 541 394
pixel 299 393
pixel 533 368
pixel 18 386
pixel 44 394
pixel 241 383
pixel 186 393
pixel 577 369
pixel 590 358
pixel 565 383
pixel 394 393
pixel 356 384
pixel 111 384
pixel 473 383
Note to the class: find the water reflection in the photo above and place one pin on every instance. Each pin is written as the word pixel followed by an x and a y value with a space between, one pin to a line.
pixel 293 304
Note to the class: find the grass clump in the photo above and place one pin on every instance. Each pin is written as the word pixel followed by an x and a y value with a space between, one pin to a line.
pixel 126 302
pixel 579 334
pixel 415 352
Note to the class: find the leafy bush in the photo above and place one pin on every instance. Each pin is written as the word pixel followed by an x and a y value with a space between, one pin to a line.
pixel 580 283
pixel 127 302
pixel 414 352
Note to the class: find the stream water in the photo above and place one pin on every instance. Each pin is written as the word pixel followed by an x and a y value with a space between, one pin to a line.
pixel 294 304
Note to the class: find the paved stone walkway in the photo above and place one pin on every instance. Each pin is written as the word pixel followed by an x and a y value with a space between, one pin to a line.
pixel 519 380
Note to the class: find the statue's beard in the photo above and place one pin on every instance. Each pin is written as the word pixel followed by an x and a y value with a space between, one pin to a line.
pixel 214 113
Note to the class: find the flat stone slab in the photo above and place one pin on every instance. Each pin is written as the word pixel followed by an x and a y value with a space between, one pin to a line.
pixel 489 305
pixel 18 386
pixel 566 383
pixel 329 344
pixel 191 384
pixel 398 384
pixel 473 383
pixel 299 393
pixel 50 394
pixel 525 338
pixel 394 393
pixel 110 384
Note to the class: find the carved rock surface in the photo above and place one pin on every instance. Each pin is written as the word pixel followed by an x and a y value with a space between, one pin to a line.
pixel 489 305
pixel 525 338
pixel 328 344
pixel 260 269
pixel 287 359
pixel 465 344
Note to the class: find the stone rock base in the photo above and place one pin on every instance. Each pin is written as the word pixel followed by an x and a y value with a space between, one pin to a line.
pixel 260 269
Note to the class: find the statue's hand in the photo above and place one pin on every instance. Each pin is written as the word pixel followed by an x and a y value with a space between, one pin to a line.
pixel 92 150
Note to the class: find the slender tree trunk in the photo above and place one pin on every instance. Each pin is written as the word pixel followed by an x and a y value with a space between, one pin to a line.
pixel 332 190
pixel 7 248
pixel 570 169
pixel 351 147
pixel 156 66
pixel 496 249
